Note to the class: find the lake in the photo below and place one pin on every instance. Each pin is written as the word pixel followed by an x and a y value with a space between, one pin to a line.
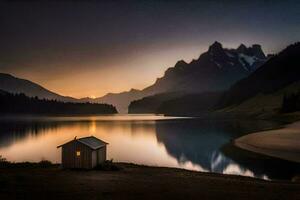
pixel 189 143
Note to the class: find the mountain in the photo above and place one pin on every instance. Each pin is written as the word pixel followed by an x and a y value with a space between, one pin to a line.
pixel 215 70
pixel 13 84
pixel 272 88
pixel 278 76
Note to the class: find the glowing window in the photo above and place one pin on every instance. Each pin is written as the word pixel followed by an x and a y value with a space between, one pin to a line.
pixel 77 153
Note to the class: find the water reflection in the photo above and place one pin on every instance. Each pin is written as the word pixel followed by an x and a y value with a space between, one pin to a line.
pixel 151 140
pixel 200 142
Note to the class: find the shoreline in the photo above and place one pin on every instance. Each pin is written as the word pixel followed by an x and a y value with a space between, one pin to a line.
pixel 283 143
pixel 137 182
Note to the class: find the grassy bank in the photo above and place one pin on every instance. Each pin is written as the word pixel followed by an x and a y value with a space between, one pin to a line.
pixel 136 182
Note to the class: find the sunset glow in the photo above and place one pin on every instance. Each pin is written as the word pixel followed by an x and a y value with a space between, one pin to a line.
pixel 149 99
pixel 113 52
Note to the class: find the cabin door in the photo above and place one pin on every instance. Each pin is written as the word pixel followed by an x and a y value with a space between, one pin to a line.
pixel 78 156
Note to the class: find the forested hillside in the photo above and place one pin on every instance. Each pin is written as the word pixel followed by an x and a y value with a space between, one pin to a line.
pixel 21 104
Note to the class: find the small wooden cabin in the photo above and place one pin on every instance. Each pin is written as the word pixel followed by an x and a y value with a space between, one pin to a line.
pixel 83 153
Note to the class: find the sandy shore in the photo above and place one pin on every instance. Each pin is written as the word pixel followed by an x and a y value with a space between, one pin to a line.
pixel 282 143
pixel 137 182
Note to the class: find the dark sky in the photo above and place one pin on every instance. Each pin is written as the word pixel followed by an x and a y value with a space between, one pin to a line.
pixel 89 48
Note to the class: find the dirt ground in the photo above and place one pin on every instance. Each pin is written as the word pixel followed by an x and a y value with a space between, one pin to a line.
pixel 137 182
pixel 281 143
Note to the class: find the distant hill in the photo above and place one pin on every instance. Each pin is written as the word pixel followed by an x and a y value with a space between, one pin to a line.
pixel 291 102
pixel 190 105
pixel 150 104
pixel 176 103
pixel 262 105
pixel 120 100
pixel 13 84
pixel 278 76
pixel 21 104
pixel 215 70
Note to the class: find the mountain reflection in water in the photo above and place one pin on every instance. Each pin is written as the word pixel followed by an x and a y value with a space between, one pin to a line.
pixel 144 139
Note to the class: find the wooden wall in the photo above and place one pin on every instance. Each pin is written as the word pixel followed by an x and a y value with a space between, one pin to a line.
pixel 101 155
pixel 88 158
pixel 71 160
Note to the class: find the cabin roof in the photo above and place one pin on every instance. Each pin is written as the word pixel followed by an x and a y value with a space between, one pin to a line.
pixel 91 141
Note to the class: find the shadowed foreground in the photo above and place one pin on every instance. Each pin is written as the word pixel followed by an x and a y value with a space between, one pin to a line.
pixel 137 182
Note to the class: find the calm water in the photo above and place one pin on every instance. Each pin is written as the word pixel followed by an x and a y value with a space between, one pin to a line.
pixel 144 139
